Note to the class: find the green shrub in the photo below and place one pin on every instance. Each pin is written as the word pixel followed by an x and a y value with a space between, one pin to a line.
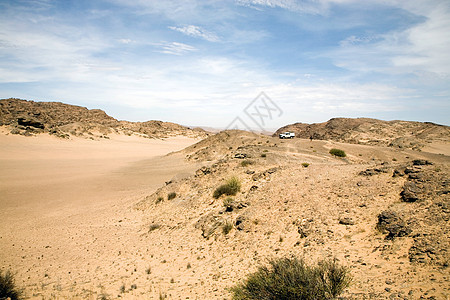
pixel 291 278
pixel 159 199
pixel 305 165
pixel 230 188
pixel 246 163
pixel 338 152
pixel 8 289
pixel 263 155
pixel 171 196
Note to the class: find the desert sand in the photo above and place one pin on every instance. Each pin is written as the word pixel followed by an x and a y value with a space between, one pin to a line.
pixel 67 223
pixel 85 209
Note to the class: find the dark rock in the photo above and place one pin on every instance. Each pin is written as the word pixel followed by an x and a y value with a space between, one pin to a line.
pixel 240 225
pixel 398 172
pixel 346 221
pixel 253 188
pixel 264 175
pixel 410 192
pixel 26 121
pixel 421 162
pixel 409 170
pixel 233 205
pixel 240 155
pixel 392 224
pixel 203 171
pixel 416 176
pixel 374 171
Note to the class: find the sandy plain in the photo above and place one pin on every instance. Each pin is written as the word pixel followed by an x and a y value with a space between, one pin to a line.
pixel 67 226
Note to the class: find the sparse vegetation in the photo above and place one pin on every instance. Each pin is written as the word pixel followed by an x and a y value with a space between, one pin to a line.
pixel 264 155
pixel 227 202
pixel 171 195
pixel 246 163
pixel 159 199
pixel 8 289
pixel 153 227
pixel 122 288
pixel 230 188
pixel 338 152
pixel 292 278
pixel 226 228
pixel 305 164
pixel 148 270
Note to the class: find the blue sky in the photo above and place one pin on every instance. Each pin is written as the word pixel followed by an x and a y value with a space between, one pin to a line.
pixel 202 62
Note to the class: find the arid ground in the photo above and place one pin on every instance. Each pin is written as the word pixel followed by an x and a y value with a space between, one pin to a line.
pixel 95 208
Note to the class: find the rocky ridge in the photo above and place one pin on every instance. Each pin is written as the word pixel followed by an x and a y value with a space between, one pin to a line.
pixel 397 134
pixel 64 120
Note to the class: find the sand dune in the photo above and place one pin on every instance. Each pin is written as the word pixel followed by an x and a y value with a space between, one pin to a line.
pixel 66 207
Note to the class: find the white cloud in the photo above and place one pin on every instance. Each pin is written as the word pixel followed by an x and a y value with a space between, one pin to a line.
pixel 175 48
pixel 306 6
pixel 421 48
pixel 196 31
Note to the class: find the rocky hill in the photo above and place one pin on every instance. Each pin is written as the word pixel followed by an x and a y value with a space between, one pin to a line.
pixel 399 134
pixel 29 118
pixel 382 212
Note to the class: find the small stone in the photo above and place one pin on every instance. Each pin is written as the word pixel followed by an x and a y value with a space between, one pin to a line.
pixel 346 221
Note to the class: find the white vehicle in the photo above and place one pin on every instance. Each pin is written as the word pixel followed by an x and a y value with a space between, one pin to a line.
pixel 287 135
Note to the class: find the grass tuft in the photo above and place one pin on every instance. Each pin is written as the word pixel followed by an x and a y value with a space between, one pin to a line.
pixel 338 152
pixel 226 228
pixel 246 163
pixel 8 289
pixel 171 196
pixel 230 188
pixel 292 278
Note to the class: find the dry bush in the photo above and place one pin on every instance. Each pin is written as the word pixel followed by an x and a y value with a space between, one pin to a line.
pixel 292 278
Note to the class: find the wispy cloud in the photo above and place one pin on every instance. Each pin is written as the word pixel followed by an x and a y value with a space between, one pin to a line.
pixel 306 6
pixel 196 31
pixel 420 48
pixel 175 48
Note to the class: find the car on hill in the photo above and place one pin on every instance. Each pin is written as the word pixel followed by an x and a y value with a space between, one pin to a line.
pixel 287 135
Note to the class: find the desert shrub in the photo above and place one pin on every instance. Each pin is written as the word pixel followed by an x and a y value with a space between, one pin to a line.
pixel 227 202
pixel 8 289
pixel 230 188
pixel 263 155
pixel 171 196
pixel 153 227
pixel 305 165
pixel 338 152
pixel 226 228
pixel 246 163
pixel 292 278
pixel 159 199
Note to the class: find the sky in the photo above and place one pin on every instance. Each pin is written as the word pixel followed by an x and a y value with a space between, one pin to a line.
pixel 206 63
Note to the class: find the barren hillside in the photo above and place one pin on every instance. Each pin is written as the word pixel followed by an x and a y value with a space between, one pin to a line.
pixel 382 212
pixel 29 117
pixel 399 134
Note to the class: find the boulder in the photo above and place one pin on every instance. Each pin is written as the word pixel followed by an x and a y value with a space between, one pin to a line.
pixel 410 192
pixel 391 223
